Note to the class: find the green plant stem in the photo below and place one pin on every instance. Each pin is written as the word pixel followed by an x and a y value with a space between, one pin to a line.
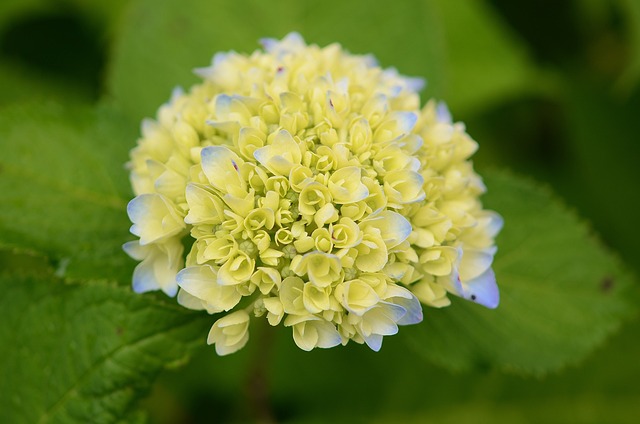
pixel 257 386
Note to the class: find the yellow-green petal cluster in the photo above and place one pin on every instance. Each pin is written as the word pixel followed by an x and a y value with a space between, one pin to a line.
pixel 311 190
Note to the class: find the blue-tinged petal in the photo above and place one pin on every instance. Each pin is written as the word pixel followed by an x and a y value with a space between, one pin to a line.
pixel 415 83
pixel 160 263
pixel 290 43
pixel 495 225
pixel 403 297
pixel 268 44
pixel 374 341
pixel 383 319
pixel 176 93
pixel 406 121
pixel 483 290
pixel 144 278
pixel 442 113
pixel 370 60
pixel 223 104
pixel 328 336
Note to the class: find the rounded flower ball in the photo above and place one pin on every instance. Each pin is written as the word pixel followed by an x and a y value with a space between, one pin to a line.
pixel 306 186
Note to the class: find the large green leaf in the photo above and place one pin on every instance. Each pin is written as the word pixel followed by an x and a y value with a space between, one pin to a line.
pixel 64 189
pixel 84 353
pixel 561 292
pixel 460 47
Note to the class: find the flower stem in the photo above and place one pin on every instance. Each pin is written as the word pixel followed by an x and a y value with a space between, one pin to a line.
pixel 257 386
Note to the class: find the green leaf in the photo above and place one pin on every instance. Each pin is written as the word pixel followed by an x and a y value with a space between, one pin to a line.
pixel 84 353
pixel 64 189
pixel 562 294
pixel 462 49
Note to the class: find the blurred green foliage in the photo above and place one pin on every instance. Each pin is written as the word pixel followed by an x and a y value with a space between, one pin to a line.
pixel 549 89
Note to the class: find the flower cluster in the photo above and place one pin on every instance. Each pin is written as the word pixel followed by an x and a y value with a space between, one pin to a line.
pixel 311 189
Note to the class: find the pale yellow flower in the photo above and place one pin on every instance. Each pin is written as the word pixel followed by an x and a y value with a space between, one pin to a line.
pixel 310 189
pixel 230 333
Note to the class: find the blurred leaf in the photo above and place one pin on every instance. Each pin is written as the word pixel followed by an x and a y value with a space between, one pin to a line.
pixel 13 9
pixel 84 353
pixel 602 170
pixel 486 62
pixel 21 83
pixel 64 188
pixel 18 260
pixel 631 13
pixel 107 12
pixel 460 47
pixel 561 293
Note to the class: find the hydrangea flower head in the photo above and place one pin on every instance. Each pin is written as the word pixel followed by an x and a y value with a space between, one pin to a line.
pixel 308 182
